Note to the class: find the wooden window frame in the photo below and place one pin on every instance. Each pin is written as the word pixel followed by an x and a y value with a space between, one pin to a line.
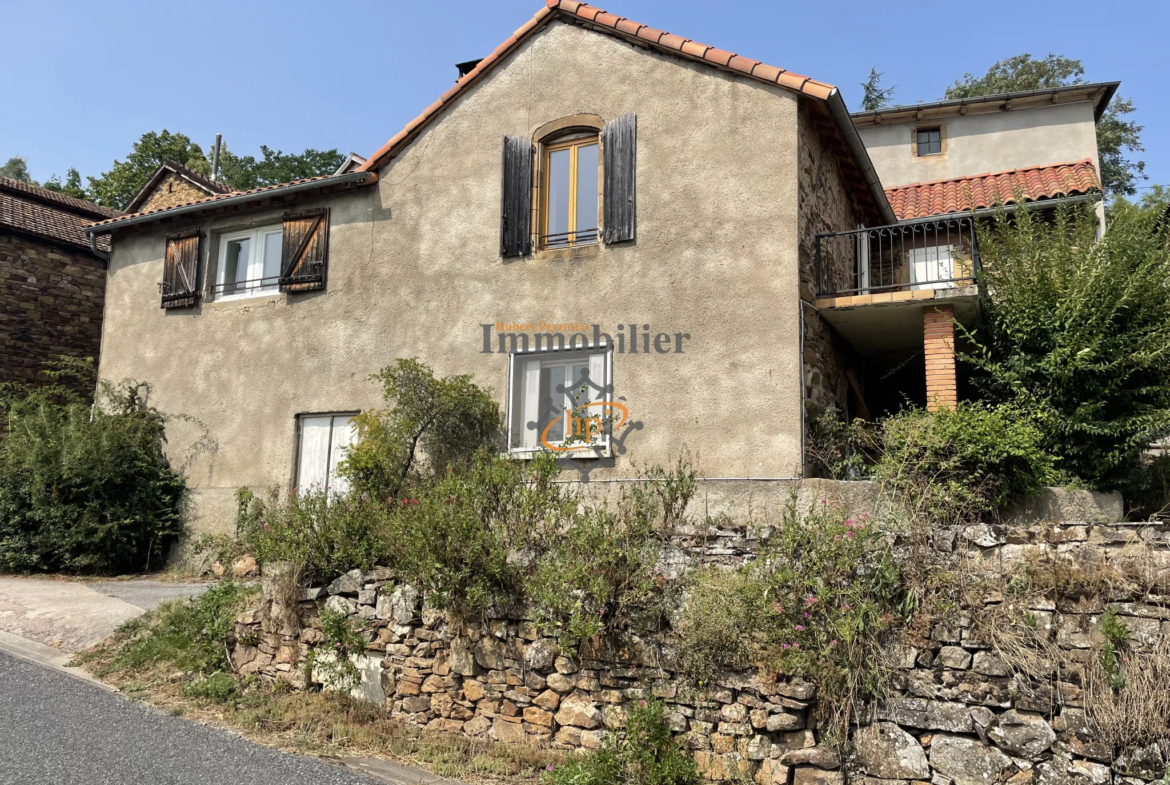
pixel 942 140
pixel 547 149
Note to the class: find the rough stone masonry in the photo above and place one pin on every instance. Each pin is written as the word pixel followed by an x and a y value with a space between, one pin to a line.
pixel 956 713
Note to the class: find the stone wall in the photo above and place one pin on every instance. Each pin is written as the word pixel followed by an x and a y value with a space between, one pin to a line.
pixel 958 712
pixel 50 304
pixel 172 191
pixel 826 205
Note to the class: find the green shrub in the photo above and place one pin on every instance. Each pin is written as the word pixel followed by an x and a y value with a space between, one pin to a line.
pixel 601 573
pixel 955 466
pixel 647 755
pixel 837 450
pixel 467 539
pixel 193 634
pixel 218 687
pixel 438 422
pixel 720 621
pixel 814 604
pixel 1077 333
pixel 324 537
pixel 85 488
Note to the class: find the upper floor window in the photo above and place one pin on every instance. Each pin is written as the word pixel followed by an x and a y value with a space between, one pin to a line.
pixel 929 141
pixel 571 187
pixel 249 263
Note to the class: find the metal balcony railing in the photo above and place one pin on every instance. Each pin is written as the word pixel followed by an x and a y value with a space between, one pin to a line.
pixel 928 254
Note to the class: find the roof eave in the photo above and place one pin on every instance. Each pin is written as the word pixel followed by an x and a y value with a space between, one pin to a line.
pixel 1108 89
pixel 873 184
pixel 352 178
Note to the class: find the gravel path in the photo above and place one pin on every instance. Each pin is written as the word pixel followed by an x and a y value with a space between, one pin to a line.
pixel 58 730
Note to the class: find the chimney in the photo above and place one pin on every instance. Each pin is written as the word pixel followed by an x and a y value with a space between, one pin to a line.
pixel 466 68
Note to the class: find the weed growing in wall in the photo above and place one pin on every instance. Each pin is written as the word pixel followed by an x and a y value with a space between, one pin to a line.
pixel 647 755
pixel 333 659
pixel 816 603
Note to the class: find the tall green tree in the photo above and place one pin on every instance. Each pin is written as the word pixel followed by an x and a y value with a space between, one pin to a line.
pixel 874 96
pixel 117 187
pixel 1077 333
pixel 244 172
pixel 1117 138
pixel 71 187
pixel 16 168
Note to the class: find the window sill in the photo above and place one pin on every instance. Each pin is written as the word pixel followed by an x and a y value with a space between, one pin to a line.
pixel 573 252
pixel 580 454
pixel 272 294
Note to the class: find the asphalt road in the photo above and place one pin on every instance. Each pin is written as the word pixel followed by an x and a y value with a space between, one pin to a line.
pixel 58 730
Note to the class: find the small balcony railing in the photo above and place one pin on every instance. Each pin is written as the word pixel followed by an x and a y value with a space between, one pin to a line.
pixel 249 287
pixel 929 254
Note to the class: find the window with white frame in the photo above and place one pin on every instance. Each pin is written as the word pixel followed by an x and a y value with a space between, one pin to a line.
pixel 249 263
pixel 322 441
pixel 546 388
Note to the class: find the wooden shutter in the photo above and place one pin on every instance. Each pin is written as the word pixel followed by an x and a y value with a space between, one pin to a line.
pixel 619 148
pixel 304 252
pixel 516 202
pixel 180 266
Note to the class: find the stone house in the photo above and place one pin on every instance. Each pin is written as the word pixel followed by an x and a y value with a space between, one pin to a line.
pixel 598 213
pixel 52 280
pixel 173 185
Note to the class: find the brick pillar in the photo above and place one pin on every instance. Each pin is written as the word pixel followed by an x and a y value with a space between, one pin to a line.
pixel 938 338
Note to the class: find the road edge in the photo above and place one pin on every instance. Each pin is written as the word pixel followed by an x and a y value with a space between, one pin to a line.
pixel 48 657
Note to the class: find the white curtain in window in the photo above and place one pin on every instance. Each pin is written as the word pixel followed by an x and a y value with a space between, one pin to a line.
pixel 313 462
pixel 344 435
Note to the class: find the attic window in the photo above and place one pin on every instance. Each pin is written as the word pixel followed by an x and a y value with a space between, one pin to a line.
pixel 929 141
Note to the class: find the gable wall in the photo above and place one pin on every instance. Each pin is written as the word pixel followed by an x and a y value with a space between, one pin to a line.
pixel 172 191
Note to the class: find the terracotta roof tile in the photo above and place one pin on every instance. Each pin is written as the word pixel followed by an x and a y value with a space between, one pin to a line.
pixel 617 25
pixel 742 64
pixel 628 27
pixel 672 41
pixel 922 200
pixel 650 34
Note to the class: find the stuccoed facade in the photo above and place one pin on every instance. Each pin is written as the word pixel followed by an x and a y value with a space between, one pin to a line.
pixel 415 269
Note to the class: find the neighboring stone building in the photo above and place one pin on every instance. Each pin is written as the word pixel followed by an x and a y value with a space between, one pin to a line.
pixel 52 281
pixel 173 185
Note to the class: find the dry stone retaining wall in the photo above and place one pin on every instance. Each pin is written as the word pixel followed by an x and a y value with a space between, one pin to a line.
pixel 957 713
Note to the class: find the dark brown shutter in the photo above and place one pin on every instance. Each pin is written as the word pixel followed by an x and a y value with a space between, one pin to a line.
pixel 619 148
pixel 304 253
pixel 516 204
pixel 179 270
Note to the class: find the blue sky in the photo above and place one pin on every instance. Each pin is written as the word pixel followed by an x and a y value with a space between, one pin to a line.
pixel 80 81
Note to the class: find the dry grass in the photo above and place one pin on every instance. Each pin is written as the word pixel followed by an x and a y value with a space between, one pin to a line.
pixel 142 660
pixel 330 725
pixel 1138 713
